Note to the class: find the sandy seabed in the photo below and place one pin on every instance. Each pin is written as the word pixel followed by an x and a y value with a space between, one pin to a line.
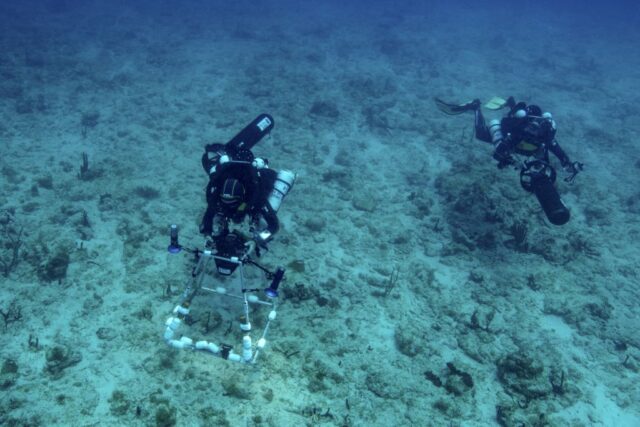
pixel 424 286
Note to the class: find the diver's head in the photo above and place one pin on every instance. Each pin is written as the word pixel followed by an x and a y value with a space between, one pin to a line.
pixel 518 110
pixel 541 126
pixel 522 110
pixel 548 126
pixel 533 111
pixel 538 124
pixel 232 194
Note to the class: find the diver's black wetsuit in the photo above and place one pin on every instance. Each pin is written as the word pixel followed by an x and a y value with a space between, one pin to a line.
pixel 527 131
pixel 258 184
pixel 531 135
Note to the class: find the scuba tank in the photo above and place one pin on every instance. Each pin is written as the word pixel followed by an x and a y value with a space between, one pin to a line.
pixel 239 147
pixel 250 135
pixel 537 177
pixel 497 139
pixel 495 132
pixel 282 185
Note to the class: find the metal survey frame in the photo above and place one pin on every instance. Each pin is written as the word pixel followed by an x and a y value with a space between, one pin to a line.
pixel 206 264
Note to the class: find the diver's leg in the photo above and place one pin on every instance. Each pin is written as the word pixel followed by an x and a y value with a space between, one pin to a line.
pixel 454 109
pixel 206 226
pixel 481 129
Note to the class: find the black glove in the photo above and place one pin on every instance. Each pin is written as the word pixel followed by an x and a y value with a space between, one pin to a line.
pixel 572 168
pixel 503 155
pixel 504 160
pixel 262 239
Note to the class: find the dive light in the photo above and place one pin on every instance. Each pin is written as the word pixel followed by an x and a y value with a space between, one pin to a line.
pixel 174 246
pixel 272 290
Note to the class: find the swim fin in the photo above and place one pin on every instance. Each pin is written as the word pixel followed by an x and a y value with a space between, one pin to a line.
pixel 454 109
pixel 496 103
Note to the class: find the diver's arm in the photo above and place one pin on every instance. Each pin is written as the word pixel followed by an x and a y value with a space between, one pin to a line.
pixel 557 151
pixel 265 217
pixel 503 149
pixel 503 140
pixel 572 168
pixel 265 224
pixel 273 224
pixel 212 197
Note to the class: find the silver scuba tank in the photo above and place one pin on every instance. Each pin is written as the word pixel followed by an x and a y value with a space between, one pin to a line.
pixel 284 182
pixel 495 132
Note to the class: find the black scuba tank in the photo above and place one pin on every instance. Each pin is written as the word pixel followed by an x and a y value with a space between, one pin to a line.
pixel 250 135
pixel 538 178
pixel 550 200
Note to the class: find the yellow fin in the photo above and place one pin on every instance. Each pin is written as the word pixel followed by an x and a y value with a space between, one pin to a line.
pixel 496 103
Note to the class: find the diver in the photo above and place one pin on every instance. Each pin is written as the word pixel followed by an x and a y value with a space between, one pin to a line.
pixel 242 186
pixel 525 130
